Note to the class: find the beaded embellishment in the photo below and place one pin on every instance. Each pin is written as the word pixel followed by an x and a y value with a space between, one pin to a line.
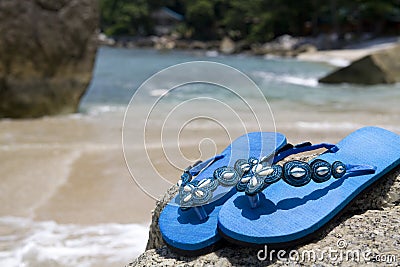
pixel 258 176
pixel 252 176
pixel 196 193
pixel 199 192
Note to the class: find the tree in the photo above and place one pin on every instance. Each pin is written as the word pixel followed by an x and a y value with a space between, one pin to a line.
pixel 254 21
pixel 200 15
pixel 127 17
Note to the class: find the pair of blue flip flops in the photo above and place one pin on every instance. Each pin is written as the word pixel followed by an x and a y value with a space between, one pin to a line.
pixel 242 196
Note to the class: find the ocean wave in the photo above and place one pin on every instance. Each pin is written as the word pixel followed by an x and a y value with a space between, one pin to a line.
pixel 159 92
pixel 212 53
pixel 338 62
pixel 98 109
pixel 46 243
pixel 50 146
pixel 328 126
pixel 270 76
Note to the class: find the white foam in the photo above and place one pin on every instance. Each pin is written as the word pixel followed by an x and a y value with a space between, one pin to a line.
pixel 46 243
pixel 95 110
pixel 310 82
pixel 158 92
pixel 327 125
pixel 76 147
pixel 212 53
pixel 305 81
pixel 339 62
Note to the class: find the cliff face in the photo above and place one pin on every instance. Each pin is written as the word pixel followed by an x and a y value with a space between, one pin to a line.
pixel 47 51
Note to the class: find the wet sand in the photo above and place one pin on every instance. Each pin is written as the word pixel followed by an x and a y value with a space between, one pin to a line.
pixel 71 169
pixel 68 169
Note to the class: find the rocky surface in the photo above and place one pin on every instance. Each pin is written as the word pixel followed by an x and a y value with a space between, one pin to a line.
pixel 47 50
pixel 368 228
pixel 227 46
pixel 284 46
pixel 376 68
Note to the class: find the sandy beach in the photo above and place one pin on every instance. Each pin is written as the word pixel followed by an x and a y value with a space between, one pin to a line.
pixel 343 57
pixel 51 171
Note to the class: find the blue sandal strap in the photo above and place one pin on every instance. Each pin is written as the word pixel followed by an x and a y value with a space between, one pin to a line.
pixel 357 170
pixel 303 147
pixel 201 165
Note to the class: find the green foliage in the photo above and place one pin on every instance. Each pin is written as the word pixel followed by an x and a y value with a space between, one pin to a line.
pixel 263 30
pixel 127 17
pixel 200 15
pixel 254 21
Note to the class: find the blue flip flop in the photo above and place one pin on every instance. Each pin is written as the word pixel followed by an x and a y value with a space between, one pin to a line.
pixel 287 205
pixel 188 223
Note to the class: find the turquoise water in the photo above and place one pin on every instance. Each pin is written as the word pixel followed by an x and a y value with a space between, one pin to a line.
pixel 119 72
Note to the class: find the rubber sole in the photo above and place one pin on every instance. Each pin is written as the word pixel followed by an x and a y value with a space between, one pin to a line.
pixel 318 234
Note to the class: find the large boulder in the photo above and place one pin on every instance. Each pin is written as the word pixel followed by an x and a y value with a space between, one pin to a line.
pixel 47 50
pixel 379 67
pixel 370 222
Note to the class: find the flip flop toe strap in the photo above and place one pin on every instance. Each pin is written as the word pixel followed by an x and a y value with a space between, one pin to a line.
pixel 290 149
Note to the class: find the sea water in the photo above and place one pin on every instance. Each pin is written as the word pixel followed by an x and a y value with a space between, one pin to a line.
pixel 289 85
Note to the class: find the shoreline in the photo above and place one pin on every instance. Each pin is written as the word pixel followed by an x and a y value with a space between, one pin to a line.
pixel 343 57
pixel 282 47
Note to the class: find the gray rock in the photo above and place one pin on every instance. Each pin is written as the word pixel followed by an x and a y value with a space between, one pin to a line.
pixel 198 45
pixel 227 46
pixel 376 68
pixel 47 50
pixel 305 48
pixel 155 239
pixel 283 46
pixel 370 224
